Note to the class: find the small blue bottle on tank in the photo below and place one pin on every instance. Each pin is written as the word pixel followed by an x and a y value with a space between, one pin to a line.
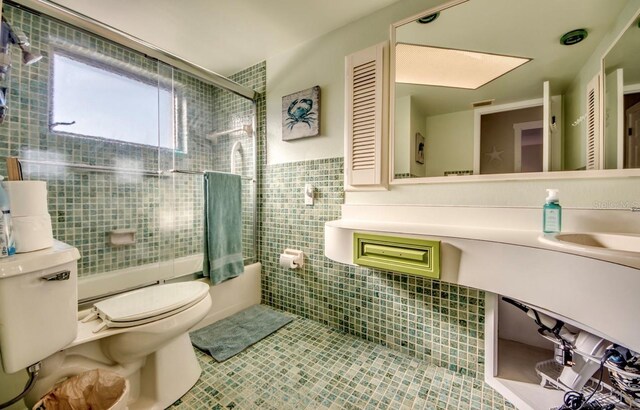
pixel 552 213
pixel 7 244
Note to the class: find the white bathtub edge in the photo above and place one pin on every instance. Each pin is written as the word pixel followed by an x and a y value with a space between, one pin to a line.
pixel 233 295
pixel 109 282
pixel 227 298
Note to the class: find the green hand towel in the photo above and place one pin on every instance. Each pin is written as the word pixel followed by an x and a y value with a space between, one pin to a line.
pixel 222 226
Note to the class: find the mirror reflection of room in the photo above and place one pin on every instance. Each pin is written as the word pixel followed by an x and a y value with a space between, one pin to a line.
pixel 622 101
pixel 511 141
pixel 514 93
pixel 632 125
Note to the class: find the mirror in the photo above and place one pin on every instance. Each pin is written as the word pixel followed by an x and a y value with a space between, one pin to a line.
pixel 621 68
pixel 487 87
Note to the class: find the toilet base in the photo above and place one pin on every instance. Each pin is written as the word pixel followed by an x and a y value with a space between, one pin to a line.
pixel 167 375
pixel 156 381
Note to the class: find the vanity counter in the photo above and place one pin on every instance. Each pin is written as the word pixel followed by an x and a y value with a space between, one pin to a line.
pixel 509 262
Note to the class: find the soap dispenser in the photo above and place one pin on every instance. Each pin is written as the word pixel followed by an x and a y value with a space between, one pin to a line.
pixel 552 213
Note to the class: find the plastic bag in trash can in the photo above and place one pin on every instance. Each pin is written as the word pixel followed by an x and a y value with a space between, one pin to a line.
pixel 93 390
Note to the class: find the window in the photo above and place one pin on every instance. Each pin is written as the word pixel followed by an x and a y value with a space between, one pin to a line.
pixel 97 99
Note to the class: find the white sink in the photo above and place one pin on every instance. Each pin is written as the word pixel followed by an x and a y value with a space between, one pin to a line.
pixel 598 243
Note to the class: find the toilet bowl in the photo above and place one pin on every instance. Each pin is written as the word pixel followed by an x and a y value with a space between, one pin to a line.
pixel 153 350
pixel 140 335
pixel 134 324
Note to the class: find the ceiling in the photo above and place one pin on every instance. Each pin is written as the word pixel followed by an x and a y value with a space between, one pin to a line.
pixel 531 30
pixel 226 36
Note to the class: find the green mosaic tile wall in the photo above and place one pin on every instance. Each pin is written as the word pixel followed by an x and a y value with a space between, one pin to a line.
pixel 427 319
pixel 239 113
pixel 85 206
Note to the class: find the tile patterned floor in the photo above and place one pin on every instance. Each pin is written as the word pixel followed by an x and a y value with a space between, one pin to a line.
pixel 306 365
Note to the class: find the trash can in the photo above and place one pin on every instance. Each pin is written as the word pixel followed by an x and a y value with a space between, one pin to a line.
pixel 93 390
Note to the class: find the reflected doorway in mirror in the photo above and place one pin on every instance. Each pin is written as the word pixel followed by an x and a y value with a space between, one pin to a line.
pixel 509 138
pixel 632 144
pixel 420 148
pixel 528 144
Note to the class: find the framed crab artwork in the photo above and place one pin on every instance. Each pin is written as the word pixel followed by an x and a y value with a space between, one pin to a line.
pixel 301 114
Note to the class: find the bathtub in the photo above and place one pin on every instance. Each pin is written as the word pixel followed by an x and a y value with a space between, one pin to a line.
pixel 233 295
pixel 228 297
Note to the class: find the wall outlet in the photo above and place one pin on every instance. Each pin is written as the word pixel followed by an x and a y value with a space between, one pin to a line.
pixel 309 191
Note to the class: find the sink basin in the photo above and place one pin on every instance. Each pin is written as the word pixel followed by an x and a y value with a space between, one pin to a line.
pixel 629 243
pixel 601 243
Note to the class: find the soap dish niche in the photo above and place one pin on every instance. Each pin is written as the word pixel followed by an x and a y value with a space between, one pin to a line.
pixel 122 237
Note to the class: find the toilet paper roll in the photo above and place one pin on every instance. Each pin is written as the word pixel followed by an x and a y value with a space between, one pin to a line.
pixel 27 198
pixel 287 261
pixel 32 233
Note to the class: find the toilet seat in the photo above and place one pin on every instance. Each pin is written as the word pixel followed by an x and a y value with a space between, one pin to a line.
pixel 147 305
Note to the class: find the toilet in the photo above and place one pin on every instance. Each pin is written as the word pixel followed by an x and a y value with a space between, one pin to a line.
pixel 141 335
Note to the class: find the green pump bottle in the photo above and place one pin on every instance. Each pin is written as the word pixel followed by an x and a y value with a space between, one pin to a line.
pixel 552 213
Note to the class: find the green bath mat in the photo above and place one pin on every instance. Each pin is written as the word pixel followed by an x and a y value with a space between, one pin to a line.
pixel 230 336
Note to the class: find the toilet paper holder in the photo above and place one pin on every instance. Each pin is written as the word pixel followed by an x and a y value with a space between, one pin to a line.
pixel 294 257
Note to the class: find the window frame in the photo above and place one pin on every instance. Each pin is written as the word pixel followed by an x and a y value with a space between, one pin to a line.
pixel 115 66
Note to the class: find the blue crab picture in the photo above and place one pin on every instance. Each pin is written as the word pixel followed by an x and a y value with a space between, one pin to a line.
pixel 299 111
pixel 301 114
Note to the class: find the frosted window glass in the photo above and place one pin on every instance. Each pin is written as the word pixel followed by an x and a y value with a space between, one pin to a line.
pixel 109 104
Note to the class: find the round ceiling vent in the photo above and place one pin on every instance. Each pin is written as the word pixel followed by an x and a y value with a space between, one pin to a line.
pixel 574 37
pixel 428 19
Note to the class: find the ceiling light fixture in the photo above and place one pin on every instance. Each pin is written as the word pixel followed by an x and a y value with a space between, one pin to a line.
pixel 573 37
pixel 446 67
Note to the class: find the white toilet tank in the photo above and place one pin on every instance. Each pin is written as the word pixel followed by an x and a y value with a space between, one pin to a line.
pixel 38 304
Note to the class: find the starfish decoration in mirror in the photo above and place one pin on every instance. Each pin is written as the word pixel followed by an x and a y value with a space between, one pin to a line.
pixel 494 154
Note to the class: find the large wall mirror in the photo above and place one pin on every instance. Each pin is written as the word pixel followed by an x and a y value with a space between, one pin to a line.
pixel 621 67
pixel 489 87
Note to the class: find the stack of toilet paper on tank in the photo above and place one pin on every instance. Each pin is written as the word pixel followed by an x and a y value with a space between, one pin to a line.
pixel 29 215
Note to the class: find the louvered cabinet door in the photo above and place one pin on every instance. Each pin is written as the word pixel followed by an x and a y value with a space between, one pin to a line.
pixel 592 120
pixel 366 117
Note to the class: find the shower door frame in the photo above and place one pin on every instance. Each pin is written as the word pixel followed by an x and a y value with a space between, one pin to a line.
pixel 81 21
pixel 101 29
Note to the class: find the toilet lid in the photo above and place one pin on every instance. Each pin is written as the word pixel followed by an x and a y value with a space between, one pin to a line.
pixel 151 302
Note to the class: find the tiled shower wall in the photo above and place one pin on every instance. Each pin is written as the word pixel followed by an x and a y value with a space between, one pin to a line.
pixel 238 114
pixel 428 319
pixel 85 206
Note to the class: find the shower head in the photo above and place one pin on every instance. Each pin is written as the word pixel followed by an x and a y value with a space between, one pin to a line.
pixel 9 36
pixel 28 57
